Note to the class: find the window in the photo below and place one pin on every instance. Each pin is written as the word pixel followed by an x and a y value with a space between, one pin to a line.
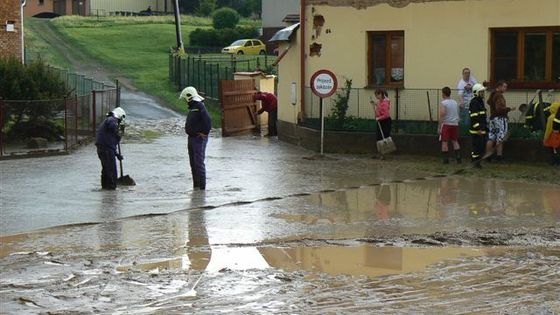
pixel 248 44
pixel 526 57
pixel 256 43
pixel 41 2
pixel 386 58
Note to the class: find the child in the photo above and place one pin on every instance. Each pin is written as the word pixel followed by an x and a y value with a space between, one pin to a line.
pixel 382 115
pixel 449 125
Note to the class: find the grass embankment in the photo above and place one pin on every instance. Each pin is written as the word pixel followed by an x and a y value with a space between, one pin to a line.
pixel 136 48
pixel 38 46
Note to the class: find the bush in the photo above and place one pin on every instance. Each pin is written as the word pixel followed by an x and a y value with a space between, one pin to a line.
pixel 206 7
pixel 222 38
pixel 30 82
pixel 340 101
pixel 225 18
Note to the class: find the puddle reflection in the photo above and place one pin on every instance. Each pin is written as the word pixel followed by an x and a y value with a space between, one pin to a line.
pixel 439 199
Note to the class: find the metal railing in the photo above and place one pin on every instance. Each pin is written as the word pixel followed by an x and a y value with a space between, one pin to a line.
pixel 413 111
pixel 31 127
pixel 205 71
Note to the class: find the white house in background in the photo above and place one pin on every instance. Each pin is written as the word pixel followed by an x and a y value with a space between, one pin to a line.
pixel 277 14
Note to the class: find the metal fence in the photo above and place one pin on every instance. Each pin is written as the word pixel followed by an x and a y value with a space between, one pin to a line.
pixel 414 111
pixel 205 71
pixel 31 127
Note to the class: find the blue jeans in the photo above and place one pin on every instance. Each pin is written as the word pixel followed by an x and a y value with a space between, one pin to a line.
pixel 197 152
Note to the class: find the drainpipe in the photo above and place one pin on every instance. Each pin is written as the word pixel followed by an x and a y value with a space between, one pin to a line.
pixel 302 58
pixel 23 3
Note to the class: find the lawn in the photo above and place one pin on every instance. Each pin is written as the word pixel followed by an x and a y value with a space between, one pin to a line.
pixel 133 47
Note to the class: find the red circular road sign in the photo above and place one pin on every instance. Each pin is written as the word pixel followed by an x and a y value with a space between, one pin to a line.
pixel 323 83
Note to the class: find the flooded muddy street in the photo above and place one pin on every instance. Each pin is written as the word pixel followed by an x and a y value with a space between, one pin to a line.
pixel 275 232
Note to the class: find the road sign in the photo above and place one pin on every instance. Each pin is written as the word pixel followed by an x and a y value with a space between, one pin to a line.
pixel 323 83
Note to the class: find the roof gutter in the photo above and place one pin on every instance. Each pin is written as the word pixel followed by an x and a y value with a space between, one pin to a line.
pixel 23 3
pixel 302 58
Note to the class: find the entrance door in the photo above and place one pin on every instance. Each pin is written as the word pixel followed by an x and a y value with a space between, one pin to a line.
pixel 78 7
pixel 239 111
pixel 59 7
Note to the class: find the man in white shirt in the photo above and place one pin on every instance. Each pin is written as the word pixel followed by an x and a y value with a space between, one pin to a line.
pixel 464 89
pixel 449 125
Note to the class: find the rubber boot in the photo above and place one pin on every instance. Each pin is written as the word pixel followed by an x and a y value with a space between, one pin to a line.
pixel 445 157
pixel 458 156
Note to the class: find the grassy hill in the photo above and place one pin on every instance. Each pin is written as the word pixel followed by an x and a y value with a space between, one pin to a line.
pixel 136 48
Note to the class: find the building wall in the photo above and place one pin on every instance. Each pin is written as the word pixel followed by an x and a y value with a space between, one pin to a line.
pixel 441 38
pixel 274 11
pixel 10 42
pixel 34 7
pixel 130 5
pixel 288 72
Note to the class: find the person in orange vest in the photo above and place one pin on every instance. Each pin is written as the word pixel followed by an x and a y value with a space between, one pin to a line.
pixel 552 133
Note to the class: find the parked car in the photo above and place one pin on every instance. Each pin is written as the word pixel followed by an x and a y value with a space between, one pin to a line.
pixel 245 46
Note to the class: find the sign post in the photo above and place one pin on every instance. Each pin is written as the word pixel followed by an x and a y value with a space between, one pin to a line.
pixel 323 84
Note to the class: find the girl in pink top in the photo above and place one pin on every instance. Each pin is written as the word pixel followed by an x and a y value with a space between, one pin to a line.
pixel 382 113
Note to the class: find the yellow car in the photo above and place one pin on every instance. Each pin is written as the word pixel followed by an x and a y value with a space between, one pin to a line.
pixel 245 47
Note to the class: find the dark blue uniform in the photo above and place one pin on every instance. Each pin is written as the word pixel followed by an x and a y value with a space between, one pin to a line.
pixel 107 138
pixel 197 127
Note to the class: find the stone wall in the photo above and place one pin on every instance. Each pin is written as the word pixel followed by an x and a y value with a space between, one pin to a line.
pixel 10 28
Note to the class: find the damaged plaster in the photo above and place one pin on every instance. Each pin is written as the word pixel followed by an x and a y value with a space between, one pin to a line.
pixel 364 4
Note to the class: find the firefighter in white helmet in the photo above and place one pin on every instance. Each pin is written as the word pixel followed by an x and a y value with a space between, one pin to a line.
pixel 107 139
pixel 197 127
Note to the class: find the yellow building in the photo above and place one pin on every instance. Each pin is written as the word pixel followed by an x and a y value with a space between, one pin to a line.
pixel 410 45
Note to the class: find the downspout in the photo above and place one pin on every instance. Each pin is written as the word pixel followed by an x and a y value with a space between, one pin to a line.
pixel 23 3
pixel 302 58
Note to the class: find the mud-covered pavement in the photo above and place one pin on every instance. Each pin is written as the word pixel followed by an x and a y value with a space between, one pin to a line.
pixel 276 232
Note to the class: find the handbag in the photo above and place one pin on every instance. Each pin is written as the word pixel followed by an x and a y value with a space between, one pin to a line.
pixel 385 145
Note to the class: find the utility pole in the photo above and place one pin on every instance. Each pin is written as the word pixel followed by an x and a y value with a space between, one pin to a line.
pixel 180 47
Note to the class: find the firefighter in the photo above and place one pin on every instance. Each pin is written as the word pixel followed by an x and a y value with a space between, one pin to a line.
pixel 552 133
pixel 197 127
pixel 106 140
pixel 478 124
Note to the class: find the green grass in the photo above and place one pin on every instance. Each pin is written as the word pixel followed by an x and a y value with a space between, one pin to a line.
pixel 139 52
pixel 37 46
pixel 136 48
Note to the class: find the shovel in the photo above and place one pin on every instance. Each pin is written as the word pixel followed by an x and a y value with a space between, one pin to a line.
pixel 124 180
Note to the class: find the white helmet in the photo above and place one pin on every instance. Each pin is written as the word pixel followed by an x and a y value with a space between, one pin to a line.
pixel 478 88
pixel 189 93
pixel 119 113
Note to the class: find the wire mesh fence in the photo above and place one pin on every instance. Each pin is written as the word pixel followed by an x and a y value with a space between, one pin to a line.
pixel 29 127
pixel 206 71
pixel 413 111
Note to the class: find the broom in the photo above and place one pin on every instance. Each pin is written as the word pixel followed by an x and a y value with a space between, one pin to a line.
pixel 124 180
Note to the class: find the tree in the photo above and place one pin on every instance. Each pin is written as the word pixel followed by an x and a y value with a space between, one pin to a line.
pixel 188 6
pixel 206 7
pixel 225 18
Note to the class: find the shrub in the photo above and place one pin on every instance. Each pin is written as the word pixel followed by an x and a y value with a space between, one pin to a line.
pixel 225 18
pixel 30 82
pixel 340 101
pixel 222 38
pixel 206 7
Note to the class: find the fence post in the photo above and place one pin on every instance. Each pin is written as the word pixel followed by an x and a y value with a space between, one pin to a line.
pixel 94 111
pixel 397 108
pixel 205 77
pixel 198 73
pixel 76 117
pixel 1 127
pixel 65 123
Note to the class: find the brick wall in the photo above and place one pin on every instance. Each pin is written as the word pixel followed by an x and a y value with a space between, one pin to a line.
pixel 10 42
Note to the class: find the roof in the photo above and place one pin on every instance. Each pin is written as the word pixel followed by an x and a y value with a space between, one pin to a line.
pixel 291 18
pixel 284 34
